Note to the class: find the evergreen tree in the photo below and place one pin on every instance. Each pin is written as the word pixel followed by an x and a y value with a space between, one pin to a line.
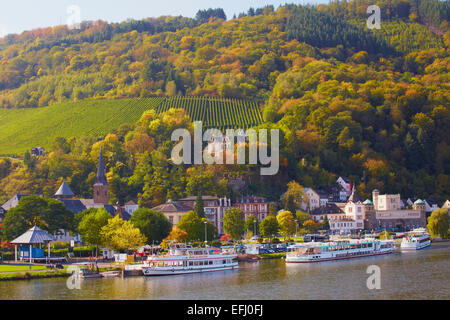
pixel 325 224
pixel 273 209
pixel 28 160
pixel 199 207
pixel 290 204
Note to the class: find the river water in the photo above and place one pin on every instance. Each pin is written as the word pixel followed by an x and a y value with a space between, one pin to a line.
pixel 423 274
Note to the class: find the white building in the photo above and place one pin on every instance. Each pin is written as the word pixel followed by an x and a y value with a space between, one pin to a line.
pixel 352 218
pixel 131 207
pixel 346 184
pixel 65 236
pixel 446 205
pixel 384 202
pixel 324 197
pixel 214 208
pixel 313 200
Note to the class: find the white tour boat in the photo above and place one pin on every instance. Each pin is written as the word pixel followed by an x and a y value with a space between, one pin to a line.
pixel 184 260
pixel 416 240
pixel 339 249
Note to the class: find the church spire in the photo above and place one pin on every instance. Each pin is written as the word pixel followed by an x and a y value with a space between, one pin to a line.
pixel 100 179
pixel 101 188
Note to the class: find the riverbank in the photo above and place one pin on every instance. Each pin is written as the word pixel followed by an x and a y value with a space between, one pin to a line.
pixel 277 255
pixel 268 279
pixel 34 275
pixel 44 274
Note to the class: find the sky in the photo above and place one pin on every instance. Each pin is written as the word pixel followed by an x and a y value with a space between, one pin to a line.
pixel 17 16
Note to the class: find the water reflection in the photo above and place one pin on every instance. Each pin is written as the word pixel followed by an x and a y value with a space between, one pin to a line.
pixel 411 275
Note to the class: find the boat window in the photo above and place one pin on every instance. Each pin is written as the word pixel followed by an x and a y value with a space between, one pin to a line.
pixel 160 264
pixel 191 263
pixel 224 261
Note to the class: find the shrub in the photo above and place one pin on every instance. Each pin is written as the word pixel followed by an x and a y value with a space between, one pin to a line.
pixel 385 235
pixel 57 252
pixel 84 251
pixel 60 245
pixel 198 244
pixel 276 240
pixel 216 243
pixel 6 256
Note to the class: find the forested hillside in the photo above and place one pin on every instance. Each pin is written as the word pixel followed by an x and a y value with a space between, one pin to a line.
pixel 372 105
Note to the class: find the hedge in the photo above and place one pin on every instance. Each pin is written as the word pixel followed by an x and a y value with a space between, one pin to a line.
pixel 80 252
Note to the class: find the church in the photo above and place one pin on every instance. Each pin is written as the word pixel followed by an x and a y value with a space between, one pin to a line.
pixel 100 195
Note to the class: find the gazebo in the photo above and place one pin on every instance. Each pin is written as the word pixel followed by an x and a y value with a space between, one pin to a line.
pixel 34 236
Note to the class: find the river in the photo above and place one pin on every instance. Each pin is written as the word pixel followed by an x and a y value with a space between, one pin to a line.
pixel 423 274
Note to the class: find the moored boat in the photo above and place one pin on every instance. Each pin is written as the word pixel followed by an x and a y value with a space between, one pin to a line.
pixel 110 274
pixel 337 250
pixel 416 240
pixel 183 260
pixel 86 273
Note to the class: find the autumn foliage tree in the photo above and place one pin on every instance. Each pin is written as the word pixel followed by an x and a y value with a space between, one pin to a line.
pixel 438 223
pixel 121 235
pixel 311 225
pixel 286 223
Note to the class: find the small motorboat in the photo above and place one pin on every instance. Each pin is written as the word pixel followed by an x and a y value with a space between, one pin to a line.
pixel 110 274
pixel 90 270
pixel 86 273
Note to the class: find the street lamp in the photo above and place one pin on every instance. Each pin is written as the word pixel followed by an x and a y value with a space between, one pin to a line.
pixel 254 223
pixel 205 233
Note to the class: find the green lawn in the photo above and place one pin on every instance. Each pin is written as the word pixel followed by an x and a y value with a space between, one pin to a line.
pixel 14 268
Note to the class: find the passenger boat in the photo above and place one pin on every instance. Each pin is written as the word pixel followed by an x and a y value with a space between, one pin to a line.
pixel 337 250
pixel 182 260
pixel 416 240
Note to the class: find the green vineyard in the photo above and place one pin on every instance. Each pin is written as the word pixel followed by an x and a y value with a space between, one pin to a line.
pixel 22 129
pixel 219 113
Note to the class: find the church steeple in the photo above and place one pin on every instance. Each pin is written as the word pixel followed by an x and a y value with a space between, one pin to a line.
pixel 101 188
pixel 354 197
pixel 101 177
